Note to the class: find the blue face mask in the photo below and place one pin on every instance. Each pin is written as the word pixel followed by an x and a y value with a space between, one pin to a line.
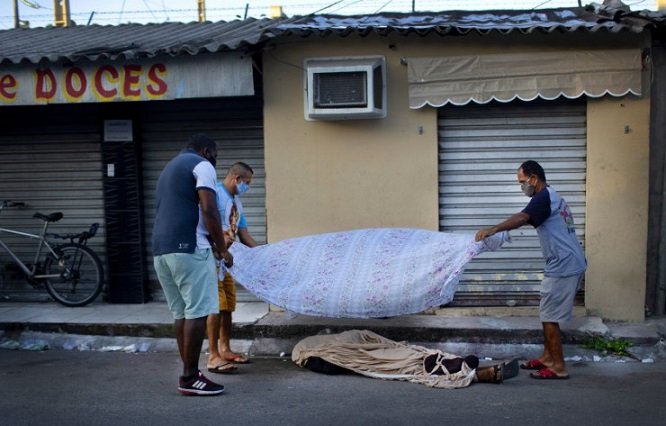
pixel 242 188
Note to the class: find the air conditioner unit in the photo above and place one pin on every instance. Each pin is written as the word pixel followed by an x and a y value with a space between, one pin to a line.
pixel 345 88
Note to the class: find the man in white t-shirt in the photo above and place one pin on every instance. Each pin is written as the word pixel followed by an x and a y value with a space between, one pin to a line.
pixel 221 358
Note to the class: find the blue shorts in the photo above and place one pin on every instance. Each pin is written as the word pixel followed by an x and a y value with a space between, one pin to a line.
pixel 557 297
pixel 189 282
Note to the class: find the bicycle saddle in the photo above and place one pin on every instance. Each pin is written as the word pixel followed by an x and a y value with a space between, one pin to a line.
pixel 53 217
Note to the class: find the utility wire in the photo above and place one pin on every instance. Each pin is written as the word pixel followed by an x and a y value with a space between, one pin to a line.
pixel 383 6
pixel 229 12
pixel 539 5
pixel 149 9
pixel 120 18
pixel 637 2
pixel 164 9
pixel 324 8
pixel 347 5
pixel 31 4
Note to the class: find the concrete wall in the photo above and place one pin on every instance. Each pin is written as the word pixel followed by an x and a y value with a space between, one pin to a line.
pixel 341 175
pixel 617 205
pixel 331 176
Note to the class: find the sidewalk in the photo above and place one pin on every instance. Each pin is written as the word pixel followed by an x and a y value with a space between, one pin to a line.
pixel 260 332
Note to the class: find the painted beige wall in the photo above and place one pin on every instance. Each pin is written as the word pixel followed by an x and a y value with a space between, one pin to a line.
pixel 331 176
pixel 341 175
pixel 617 205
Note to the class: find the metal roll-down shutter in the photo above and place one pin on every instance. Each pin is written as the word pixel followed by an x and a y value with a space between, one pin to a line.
pixel 50 160
pixel 480 150
pixel 237 126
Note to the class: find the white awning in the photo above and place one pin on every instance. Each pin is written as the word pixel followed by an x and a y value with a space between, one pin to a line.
pixel 459 80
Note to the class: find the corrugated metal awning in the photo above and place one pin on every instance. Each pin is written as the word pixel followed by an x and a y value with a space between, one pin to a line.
pixel 136 41
pixel 460 22
pixel 459 80
pixel 131 41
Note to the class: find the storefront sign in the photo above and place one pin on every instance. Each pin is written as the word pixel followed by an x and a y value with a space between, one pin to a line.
pixel 198 76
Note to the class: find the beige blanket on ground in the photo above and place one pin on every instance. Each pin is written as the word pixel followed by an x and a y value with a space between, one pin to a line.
pixel 372 355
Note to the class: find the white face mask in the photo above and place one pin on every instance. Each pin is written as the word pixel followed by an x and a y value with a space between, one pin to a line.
pixel 527 188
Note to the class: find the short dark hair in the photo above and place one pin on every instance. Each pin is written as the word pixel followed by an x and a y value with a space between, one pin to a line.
pixel 240 168
pixel 200 141
pixel 531 167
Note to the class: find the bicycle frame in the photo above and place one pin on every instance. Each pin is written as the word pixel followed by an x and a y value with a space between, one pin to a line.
pixel 42 242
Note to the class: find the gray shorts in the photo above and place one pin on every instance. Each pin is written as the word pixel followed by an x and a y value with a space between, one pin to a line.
pixel 557 297
pixel 189 282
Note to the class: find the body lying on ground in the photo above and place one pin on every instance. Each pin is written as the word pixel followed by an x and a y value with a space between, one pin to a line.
pixel 367 353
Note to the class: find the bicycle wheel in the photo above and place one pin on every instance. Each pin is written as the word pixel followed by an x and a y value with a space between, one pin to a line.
pixel 80 275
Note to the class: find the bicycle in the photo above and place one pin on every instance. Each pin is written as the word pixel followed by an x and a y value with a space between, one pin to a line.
pixel 71 272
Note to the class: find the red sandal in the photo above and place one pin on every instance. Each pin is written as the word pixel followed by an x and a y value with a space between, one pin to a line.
pixel 548 374
pixel 533 364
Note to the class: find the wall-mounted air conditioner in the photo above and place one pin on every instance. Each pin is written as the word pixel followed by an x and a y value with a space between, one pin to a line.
pixel 345 88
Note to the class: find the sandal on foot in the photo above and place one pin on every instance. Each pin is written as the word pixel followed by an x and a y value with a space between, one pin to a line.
pixel 237 359
pixel 548 374
pixel 533 364
pixel 223 368
pixel 510 369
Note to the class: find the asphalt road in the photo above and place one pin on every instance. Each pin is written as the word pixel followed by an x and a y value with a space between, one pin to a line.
pixel 59 387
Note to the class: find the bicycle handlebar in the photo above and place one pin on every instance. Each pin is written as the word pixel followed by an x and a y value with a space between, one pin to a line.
pixel 10 203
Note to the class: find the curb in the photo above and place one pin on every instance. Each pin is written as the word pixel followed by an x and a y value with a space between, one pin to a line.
pixel 417 328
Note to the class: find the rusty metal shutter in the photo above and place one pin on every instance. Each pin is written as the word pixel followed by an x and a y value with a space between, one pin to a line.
pixel 237 126
pixel 50 159
pixel 480 149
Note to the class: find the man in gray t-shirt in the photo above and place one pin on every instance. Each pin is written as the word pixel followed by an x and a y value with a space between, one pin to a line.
pixel 565 263
pixel 186 217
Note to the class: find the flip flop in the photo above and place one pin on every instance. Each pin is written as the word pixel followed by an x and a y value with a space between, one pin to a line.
pixel 237 359
pixel 547 374
pixel 224 368
pixel 533 364
pixel 510 369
